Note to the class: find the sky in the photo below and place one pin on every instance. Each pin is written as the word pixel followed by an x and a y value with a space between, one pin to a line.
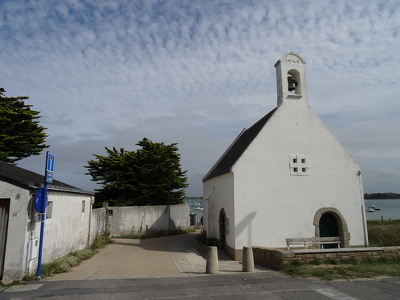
pixel 109 73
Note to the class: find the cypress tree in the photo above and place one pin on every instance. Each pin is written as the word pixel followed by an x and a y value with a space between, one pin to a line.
pixel 152 175
pixel 20 133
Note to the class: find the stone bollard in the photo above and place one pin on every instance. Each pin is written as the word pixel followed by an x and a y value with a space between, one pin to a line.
pixel 212 260
pixel 248 260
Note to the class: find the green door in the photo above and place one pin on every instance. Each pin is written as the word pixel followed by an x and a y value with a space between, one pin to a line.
pixel 328 226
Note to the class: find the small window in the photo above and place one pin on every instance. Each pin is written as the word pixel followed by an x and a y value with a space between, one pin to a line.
pixel 109 212
pixel 299 165
pixel 83 206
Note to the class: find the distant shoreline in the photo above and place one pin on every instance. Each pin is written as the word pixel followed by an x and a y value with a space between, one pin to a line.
pixel 381 196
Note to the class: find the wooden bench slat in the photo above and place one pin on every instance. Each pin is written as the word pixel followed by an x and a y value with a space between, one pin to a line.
pixel 312 241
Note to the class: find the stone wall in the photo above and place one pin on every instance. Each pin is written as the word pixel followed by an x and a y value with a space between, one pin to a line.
pixel 276 258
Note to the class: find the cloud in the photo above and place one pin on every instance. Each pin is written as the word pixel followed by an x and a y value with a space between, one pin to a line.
pixel 197 72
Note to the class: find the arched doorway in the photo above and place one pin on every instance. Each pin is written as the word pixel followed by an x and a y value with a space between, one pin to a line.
pixel 328 221
pixel 222 229
pixel 328 226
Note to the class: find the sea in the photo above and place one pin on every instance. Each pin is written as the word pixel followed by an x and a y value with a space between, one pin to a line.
pixel 390 209
pixel 195 207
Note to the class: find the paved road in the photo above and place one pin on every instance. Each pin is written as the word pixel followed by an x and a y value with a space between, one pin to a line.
pixel 171 256
pixel 174 268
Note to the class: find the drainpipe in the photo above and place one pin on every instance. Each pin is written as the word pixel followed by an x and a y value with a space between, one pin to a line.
pixel 363 208
pixel 32 216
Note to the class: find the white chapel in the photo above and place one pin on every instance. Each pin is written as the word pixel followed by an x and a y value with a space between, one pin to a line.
pixel 286 176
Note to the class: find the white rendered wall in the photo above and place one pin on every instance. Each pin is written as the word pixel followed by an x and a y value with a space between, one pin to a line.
pixel 220 195
pixel 271 205
pixel 68 228
pixel 98 223
pixel 15 263
pixel 127 220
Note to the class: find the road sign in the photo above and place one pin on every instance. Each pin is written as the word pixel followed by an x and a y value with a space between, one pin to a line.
pixel 49 177
pixel 40 203
pixel 49 162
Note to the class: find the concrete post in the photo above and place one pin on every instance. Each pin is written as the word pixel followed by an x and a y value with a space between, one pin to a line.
pixel 248 260
pixel 212 260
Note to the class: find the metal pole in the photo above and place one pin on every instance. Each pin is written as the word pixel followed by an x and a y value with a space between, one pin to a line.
pixel 42 219
pixel 48 178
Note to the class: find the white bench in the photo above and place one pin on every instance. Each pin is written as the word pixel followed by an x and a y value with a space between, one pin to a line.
pixel 305 242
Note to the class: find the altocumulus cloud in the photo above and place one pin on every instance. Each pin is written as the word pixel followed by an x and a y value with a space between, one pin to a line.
pixel 108 73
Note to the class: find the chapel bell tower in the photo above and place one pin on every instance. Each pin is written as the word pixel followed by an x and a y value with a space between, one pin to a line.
pixel 291 78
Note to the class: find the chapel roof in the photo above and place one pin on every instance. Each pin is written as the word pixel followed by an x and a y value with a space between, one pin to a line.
pixel 27 179
pixel 237 148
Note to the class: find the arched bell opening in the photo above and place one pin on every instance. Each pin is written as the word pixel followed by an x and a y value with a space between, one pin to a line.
pixel 293 81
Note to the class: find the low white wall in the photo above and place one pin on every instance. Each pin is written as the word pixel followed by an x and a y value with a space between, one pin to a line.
pixel 98 223
pixel 135 219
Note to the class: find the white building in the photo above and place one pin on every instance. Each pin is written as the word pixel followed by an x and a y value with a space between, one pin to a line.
pixel 67 225
pixel 286 176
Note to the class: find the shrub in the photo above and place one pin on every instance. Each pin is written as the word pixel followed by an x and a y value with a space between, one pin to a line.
pixel 384 235
pixel 101 239
pixel 84 254
pixel 59 265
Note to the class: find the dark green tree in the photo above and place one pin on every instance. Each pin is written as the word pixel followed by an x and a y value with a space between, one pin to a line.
pixel 20 133
pixel 151 175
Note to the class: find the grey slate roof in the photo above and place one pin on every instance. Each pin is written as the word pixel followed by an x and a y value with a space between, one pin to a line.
pixel 229 158
pixel 30 180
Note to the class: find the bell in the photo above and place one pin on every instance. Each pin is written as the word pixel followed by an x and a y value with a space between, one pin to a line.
pixel 292 83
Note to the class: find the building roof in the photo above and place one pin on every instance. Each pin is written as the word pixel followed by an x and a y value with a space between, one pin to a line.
pixel 237 148
pixel 27 179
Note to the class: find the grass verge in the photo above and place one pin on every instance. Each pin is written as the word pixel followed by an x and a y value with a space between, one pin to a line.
pixel 65 263
pixel 345 270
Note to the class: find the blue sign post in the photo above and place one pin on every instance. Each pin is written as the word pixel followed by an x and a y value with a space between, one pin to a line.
pixel 41 203
pixel 49 167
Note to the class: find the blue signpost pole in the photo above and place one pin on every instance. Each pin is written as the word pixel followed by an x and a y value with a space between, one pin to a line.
pixel 48 178
pixel 42 218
